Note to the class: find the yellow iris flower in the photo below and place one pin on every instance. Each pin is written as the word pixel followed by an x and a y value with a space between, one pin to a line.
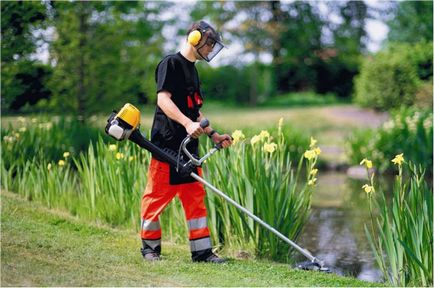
pixel 280 123
pixel 368 163
pixel 270 147
pixel 313 142
pixel 255 139
pixel 237 135
pixel 313 172
pixel 311 182
pixel 368 189
pixel 398 159
pixel 309 154
pixel 264 134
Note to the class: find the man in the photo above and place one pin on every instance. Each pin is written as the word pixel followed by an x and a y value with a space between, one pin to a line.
pixel 177 115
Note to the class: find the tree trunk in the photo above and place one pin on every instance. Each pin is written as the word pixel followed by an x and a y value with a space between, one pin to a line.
pixel 253 95
pixel 276 22
pixel 81 96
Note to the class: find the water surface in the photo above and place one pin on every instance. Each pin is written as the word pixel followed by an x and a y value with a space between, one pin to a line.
pixel 335 231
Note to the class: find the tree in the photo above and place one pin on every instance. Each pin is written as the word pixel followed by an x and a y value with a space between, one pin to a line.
pixel 105 54
pixel 338 63
pixel 350 36
pixel 300 39
pixel 413 22
pixel 253 24
pixel 23 79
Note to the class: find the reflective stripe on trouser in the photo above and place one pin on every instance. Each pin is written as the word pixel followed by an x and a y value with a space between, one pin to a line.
pixel 151 233
pixel 159 193
pixel 200 244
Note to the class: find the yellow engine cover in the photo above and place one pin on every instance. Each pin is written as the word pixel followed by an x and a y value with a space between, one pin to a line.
pixel 130 114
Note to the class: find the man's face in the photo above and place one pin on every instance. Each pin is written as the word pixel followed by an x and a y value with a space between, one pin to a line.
pixel 207 48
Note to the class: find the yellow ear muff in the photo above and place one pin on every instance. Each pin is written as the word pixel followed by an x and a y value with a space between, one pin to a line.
pixel 194 37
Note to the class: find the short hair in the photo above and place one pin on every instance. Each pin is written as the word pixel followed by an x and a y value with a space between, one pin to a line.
pixel 202 25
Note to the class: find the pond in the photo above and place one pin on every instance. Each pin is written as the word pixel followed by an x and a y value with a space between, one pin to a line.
pixel 335 232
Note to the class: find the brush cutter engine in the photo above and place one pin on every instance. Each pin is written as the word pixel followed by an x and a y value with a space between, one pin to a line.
pixel 121 125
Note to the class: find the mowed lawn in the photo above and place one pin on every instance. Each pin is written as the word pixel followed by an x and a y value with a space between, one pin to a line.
pixel 42 247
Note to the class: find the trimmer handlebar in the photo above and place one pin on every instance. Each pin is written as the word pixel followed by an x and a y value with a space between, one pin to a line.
pixel 193 160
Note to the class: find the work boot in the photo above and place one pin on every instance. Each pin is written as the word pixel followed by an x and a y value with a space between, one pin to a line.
pixel 150 254
pixel 207 256
pixel 214 259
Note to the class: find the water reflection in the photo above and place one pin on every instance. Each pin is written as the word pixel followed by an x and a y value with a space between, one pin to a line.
pixel 335 231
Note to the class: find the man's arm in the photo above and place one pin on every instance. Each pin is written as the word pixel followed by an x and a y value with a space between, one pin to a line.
pixel 225 139
pixel 169 108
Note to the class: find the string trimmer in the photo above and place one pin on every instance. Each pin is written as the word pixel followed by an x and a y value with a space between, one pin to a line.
pixel 125 125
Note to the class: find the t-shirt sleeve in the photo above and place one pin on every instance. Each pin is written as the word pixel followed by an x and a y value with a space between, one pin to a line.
pixel 165 76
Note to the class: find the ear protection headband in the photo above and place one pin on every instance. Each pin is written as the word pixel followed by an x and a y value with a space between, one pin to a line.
pixel 196 35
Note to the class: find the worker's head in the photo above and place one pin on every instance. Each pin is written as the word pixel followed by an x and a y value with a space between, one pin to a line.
pixel 205 40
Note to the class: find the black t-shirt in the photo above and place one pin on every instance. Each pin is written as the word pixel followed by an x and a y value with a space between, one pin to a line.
pixel 178 76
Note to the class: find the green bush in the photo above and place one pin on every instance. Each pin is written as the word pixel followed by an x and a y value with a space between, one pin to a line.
pixel 424 96
pixel 420 56
pixel 251 84
pixel 409 131
pixel 386 82
pixel 393 77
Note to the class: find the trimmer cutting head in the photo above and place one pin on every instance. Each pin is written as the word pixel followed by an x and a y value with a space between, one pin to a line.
pixel 313 266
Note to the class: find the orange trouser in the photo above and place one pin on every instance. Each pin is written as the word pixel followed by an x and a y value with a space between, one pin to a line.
pixel 159 193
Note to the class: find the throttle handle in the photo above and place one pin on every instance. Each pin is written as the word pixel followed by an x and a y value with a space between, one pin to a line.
pixel 204 123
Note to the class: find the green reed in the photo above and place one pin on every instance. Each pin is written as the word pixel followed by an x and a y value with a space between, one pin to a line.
pixel 401 236
pixel 105 182
pixel 258 174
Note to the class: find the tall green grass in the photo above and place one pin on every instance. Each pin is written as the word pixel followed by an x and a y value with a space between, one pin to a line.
pixel 258 173
pixel 45 139
pixel 104 183
pixel 401 233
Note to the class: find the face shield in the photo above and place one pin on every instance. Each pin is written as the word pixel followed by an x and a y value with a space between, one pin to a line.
pixel 210 45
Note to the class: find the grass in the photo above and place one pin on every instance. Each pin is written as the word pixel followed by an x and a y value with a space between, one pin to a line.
pixel 42 247
pixel 303 99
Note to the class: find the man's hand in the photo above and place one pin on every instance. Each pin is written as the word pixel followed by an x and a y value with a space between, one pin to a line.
pixel 194 129
pixel 225 140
